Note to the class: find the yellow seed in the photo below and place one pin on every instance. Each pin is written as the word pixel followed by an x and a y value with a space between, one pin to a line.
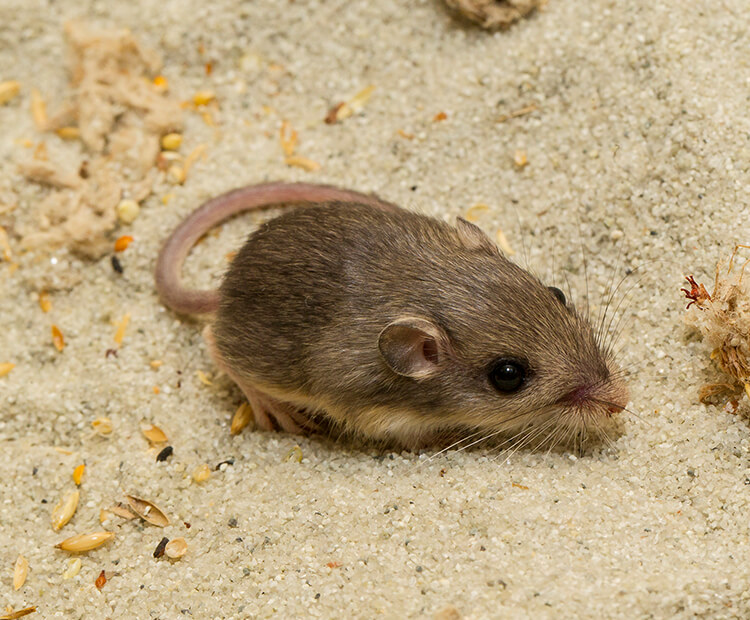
pixel 203 377
pixel 177 173
pixel 201 473
pixel 193 156
pixel 102 426
pixel 161 83
pixel 57 338
pixel 359 100
pixel 520 159
pixel 6 367
pixel 302 162
pixel 69 133
pixel 64 510
pixel 203 97
pixel 85 542
pixel 502 242
pixel 473 213
pixel 38 110
pixel 127 211
pixel 20 571
pixel 9 90
pixel 288 138
pixel 45 303
pixel 14 615
pixel 121 327
pixel 241 418
pixel 166 198
pixel 295 454
pixel 747 389
pixel 171 141
pixel 153 433
pixel 208 119
pixel 155 364
pixel 78 473
pixel 176 548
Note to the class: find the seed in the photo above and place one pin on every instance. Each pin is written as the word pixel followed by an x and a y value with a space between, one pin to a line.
pixel 171 142
pixel 57 338
pixel 64 510
pixel 177 173
pixel 9 90
pixel 78 473
pixel 295 454
pixel 159 551
pixel 122 243
pixel 102 426
pixel 148 511
pixel 203 377
pixel 520 159
pixel 302 162
pixel 74 567
pixel 176 548
pixel 121 327
pixel 153 433
pixel 45 303
pixel 127 211
pixel 20 571
pixel 155 364
pixel 241 418
pixel 161 84
pixel 203 97
pixel 201 473
pixel 69 133
pixel 6 367
pixel 288 138
pixel 164 454
pixel 473 213
pixel 38 109
pixel 502 242
pixel 100 580
pixel 85 542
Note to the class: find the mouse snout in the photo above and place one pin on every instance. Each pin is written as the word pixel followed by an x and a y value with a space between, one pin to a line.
pixel 606 395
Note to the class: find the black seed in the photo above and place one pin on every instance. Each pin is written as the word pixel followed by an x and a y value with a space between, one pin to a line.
pixel 116 265
pixel 164 454
pixel 159 551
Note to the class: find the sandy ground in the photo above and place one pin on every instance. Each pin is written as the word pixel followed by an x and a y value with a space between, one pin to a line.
pixel 638 154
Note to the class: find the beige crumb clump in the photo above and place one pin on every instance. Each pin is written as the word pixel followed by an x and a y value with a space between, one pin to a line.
pixel 494 14
pixel 120 116
pixel 723 319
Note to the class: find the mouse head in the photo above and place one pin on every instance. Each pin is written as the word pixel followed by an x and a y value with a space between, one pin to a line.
pixel 496 349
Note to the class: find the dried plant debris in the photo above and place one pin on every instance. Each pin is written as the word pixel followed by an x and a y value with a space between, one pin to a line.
pixel 148 511
pixel 120 117
pixel 723 319
pixel 494 14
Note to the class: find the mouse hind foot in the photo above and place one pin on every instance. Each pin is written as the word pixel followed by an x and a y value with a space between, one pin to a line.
pixel 269 413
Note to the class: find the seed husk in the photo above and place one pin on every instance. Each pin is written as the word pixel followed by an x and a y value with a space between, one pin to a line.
pixel 85 542
pixel 295 454
pixel 12 615
pixel 121 512
pixel 64 510
pixel 121 327
pixel 102 426
pixel 74 567
pixel 148 511
pixel 20 571
pixel 176 548
pixel 6 367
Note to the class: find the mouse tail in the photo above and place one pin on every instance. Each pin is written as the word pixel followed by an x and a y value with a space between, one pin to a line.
pixel 209 214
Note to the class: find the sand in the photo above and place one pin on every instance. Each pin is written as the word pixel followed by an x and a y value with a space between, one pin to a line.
pixel 638 157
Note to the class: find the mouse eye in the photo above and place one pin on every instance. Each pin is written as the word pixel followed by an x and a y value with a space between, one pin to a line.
pixel 558 293
pixel 507 375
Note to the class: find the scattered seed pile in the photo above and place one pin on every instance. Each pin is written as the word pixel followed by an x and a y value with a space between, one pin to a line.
pixel 119 114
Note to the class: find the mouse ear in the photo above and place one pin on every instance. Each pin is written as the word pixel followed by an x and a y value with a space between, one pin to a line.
pixel 473 237
pixel 412 347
